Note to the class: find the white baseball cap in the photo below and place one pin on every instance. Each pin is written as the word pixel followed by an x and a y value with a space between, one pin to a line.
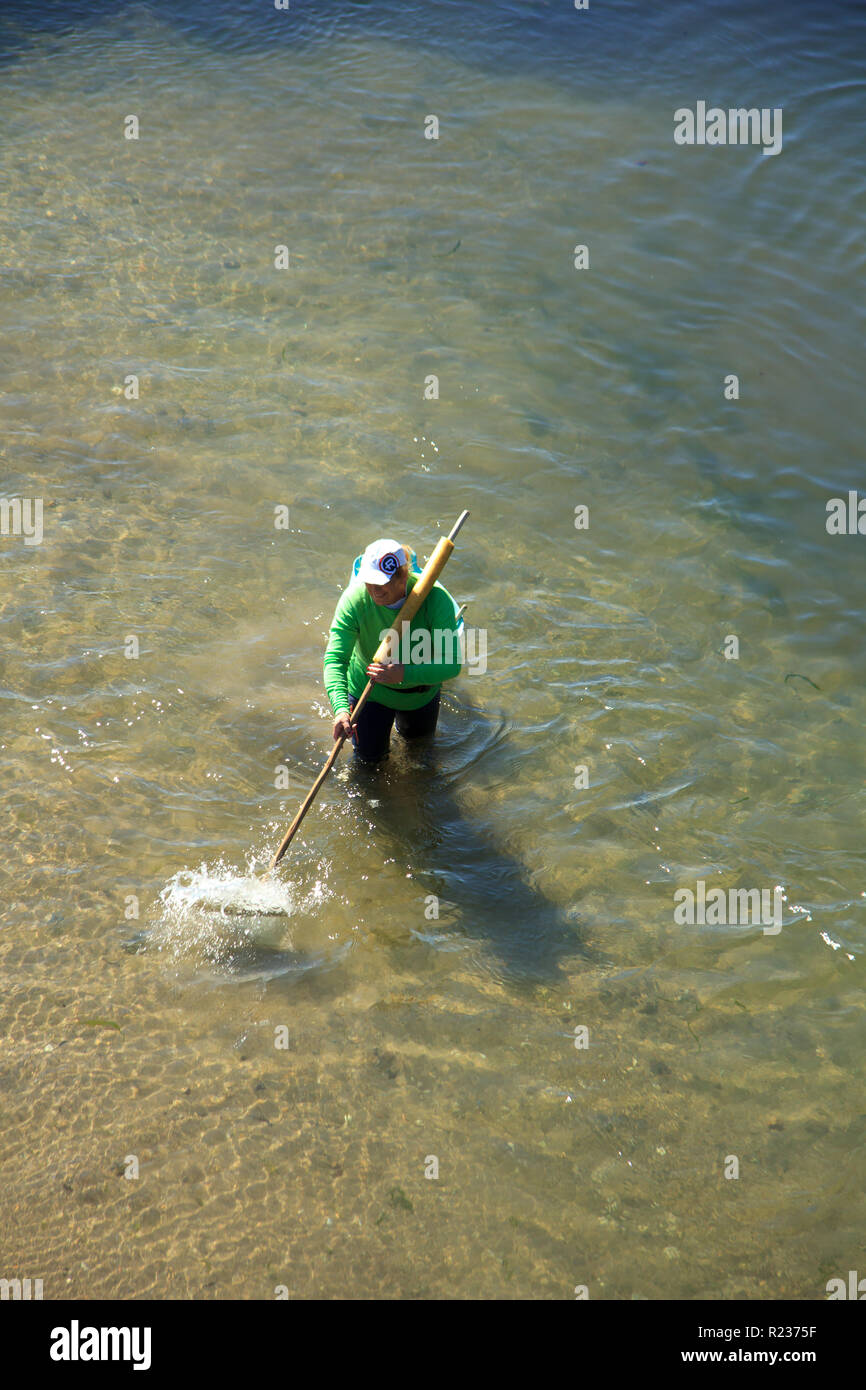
pixel 381 561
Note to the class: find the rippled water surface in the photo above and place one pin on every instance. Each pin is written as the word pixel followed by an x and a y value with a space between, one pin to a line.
pixel 285 1056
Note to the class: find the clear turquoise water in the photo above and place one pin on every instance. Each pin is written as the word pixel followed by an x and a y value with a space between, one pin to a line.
pixel 153 779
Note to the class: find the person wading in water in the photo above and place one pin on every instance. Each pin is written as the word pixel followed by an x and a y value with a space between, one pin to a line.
pixel 407 692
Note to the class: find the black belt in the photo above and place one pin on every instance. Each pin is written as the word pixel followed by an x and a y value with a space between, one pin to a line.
pixel 413 690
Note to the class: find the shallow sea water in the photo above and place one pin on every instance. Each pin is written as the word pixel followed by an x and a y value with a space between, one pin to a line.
pixel 147 970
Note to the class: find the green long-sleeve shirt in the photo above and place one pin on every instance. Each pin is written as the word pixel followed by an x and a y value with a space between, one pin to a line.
pixel 356 634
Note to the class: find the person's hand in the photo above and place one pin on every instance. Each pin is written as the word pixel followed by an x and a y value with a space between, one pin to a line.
pixel 343 725
pixel 390 673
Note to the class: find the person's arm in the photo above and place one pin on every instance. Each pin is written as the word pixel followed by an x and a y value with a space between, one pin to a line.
pixel 338 653
pixel 439 617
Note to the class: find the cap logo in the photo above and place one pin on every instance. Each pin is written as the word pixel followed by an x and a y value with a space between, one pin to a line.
pixel 389 564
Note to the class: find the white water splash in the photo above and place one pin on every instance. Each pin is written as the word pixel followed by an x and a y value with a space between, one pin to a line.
pixel 218 914
pixel 224 890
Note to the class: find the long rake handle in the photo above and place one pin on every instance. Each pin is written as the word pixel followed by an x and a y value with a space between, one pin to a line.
pixel 414 599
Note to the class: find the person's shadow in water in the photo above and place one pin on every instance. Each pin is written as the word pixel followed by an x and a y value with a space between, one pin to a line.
pixel 483 892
